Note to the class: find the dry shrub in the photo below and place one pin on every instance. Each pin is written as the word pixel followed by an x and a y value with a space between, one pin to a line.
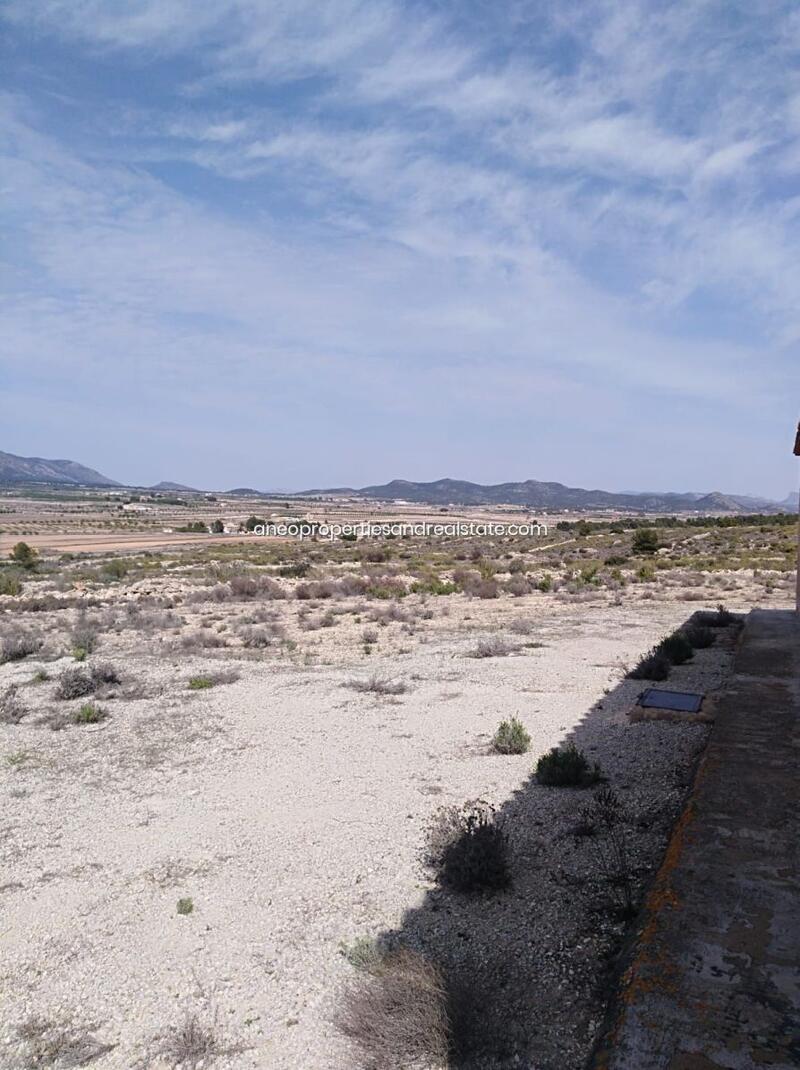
pixel 467 579
pixel 518 586
pixel 255 638
pixel 395 1015
pixel 84 635
pixel 19 646
pixel 352 586
pixel 202 640
pixel 378 685
pixel 393 613
pixel 74 683
pixel 104 673
pixel 316 589
pixel 191 1045
pixel 11 708
pixel 44 1042
pixel 467 848
pixel 241 588
pixel 493 647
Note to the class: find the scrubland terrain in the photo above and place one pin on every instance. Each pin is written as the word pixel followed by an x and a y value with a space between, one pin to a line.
pixel 234 779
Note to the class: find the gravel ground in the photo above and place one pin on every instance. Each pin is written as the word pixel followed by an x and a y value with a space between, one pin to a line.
pixel 291 809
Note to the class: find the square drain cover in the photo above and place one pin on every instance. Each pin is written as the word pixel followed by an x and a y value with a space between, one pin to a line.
pixel 685 701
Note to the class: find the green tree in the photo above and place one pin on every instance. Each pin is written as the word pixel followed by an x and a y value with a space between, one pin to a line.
pixel 645 541
pixel 24 555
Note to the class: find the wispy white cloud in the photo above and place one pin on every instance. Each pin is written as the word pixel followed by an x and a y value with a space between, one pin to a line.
pixel 414 202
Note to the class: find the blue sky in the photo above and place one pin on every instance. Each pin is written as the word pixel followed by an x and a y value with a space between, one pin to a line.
pixel 284 244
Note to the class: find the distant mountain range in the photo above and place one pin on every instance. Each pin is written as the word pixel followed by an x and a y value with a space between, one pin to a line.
pixel 544 496
pixel 15 469
pixel 531 493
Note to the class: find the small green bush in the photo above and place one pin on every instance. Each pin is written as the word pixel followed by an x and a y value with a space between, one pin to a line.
pixel 567 767
pixel 363 954
pixel 185 906
pixel 115 569
pixel 677 648
pixel 655 665
pixel 511 737
pixel 90 714
pixel 435 586
pixel 200 683
pixel 11 582
pixel 699 636
pixel 645 541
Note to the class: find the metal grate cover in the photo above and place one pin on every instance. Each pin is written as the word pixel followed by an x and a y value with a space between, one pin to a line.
pixel 685 701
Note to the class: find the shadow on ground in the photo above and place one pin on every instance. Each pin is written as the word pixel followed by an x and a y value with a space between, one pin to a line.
pixel 528 971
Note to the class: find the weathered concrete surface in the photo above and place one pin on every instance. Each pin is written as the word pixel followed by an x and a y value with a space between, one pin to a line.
pixel 714 977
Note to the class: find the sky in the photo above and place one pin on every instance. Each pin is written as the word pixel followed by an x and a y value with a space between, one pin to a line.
pixel 298 243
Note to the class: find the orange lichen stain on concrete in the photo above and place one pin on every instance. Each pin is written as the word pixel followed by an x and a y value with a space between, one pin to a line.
pixel 652 968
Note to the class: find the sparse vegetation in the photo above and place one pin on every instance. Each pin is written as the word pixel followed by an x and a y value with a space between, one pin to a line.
pixel 185 905
pixel 567 767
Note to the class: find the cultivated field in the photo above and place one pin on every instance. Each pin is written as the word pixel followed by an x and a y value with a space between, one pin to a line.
pixel 234 776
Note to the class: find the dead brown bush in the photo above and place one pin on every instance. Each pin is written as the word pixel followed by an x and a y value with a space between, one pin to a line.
pixel 396 1014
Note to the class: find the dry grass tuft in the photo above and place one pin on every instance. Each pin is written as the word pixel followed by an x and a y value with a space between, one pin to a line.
pixel 379 685
pixel 45 1043
pixel 191 1045
pixel 395 1015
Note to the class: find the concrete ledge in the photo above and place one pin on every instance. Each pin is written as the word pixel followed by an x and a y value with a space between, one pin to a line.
pixel 713 980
